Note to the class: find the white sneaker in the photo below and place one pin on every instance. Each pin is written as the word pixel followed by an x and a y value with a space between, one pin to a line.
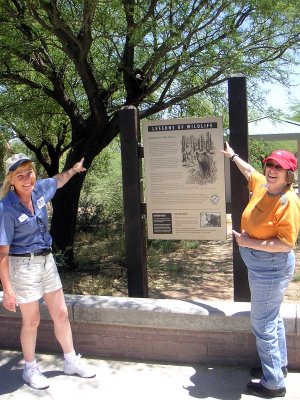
pixel 76 366
pixel 35 378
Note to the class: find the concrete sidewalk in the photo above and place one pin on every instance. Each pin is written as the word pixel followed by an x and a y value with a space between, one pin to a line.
pixel 131 380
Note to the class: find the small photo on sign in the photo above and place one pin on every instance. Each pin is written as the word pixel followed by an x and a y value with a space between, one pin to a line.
pixel 210 220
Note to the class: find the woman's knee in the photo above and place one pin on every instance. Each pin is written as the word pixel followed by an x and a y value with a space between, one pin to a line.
pixel 31 322
pixel 60 315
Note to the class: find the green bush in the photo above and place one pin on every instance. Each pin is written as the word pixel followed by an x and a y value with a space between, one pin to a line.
pixel 90 217
pixel 260 149
pixel 101 200
pixel 164 246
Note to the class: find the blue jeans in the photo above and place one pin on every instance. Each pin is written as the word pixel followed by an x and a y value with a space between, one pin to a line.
pixel 269 275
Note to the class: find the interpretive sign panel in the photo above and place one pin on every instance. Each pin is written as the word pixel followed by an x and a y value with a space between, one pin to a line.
pixel 184 179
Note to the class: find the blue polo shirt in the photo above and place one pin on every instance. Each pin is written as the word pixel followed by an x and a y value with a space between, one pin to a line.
pixel 19 228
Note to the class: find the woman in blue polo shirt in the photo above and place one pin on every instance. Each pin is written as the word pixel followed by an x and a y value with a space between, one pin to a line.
pixel 27 268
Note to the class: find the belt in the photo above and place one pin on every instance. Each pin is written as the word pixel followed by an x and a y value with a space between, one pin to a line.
pixel 43 252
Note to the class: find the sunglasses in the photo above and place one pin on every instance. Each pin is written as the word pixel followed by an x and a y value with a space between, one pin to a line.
pixel 274 166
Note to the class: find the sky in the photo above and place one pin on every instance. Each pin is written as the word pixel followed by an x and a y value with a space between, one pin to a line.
pixel 281 97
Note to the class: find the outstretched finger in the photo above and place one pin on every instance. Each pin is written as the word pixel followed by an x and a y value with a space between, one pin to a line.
pixel 236 234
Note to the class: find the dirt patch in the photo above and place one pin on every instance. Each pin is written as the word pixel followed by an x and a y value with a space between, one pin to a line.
pixel 204 272
pixel 208 275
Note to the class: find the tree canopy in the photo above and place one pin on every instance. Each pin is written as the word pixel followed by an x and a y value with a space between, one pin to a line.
pixel 68 66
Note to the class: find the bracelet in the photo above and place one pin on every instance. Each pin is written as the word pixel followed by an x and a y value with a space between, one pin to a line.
pixel 232 157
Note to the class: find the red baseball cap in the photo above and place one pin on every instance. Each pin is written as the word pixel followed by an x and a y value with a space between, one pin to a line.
pixel 284 158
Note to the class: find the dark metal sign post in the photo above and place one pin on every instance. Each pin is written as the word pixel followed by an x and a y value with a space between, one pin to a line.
pixel 135 233
pixel 238 127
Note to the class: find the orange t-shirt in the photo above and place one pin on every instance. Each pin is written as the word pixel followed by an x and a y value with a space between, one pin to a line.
pixel 267 216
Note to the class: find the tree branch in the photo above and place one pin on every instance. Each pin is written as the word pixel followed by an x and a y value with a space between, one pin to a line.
pixel 77 48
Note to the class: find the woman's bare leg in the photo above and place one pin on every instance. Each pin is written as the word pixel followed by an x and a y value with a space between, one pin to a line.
pixel 59 313
pixel 30 322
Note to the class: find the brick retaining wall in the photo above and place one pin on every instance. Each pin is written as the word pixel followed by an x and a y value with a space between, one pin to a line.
pixel 161 330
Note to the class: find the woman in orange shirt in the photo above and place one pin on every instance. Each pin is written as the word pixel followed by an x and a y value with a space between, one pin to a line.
pixel 269 230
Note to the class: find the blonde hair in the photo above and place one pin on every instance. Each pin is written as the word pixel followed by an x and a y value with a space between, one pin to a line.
pixel 290 175
pixel 6 187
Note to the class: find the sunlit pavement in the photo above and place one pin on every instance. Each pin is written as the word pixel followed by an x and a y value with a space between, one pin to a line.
pixel 131 380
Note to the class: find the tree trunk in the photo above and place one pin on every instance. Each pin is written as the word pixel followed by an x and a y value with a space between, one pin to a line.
pixel 66 200
pixel 65 208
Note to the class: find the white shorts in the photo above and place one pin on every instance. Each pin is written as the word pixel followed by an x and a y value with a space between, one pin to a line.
pixel 31 278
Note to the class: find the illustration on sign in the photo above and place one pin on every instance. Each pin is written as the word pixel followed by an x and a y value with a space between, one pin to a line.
pixel 198 155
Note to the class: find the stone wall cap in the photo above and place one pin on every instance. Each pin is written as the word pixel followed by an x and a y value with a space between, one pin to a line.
pixel 141 304
pixel 193 314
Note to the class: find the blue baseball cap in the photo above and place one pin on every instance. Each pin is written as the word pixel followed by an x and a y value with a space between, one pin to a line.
pixel 13 162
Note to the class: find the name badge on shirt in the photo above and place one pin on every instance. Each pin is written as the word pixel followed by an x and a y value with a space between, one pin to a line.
pixel 23 217
pixel 41 202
